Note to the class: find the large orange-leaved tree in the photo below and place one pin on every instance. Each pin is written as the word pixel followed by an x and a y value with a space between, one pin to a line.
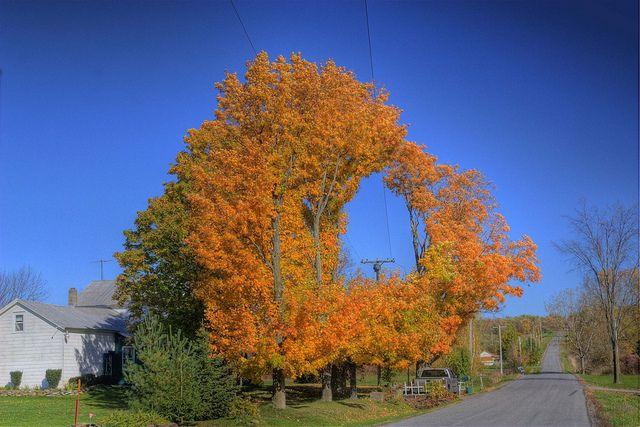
pixel 269 179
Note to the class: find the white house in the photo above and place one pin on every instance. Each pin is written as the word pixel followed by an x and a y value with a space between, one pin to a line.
pixel 85 337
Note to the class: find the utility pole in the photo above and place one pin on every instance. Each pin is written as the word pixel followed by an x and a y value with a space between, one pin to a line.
pixel 500 339
pixel 102 262
pixel 520 349
pixel 471 338
pixel 377 266
pixel 539 333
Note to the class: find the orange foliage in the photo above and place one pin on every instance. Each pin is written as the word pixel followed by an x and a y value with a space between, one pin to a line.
pixel 270 176
pixel 463 252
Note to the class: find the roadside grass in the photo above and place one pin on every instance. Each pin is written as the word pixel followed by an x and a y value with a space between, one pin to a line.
pixel 612 407
pixel 567 366
pixel 18 411
pixel 631 382
pixel 619 409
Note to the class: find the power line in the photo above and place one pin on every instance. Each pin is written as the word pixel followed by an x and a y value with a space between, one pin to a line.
pixel 386 215
pixel 246 33
pixel 366 12
pixel 384 190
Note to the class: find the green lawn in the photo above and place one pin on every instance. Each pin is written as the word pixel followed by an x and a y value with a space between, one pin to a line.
pixel 362 412
pixel 627 381
pixel 52 411
pixel 304 408
pixel 620 409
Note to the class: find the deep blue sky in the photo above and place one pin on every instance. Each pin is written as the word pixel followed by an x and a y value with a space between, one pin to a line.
pixel 96 97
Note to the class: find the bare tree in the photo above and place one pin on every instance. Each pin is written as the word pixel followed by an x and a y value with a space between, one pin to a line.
pixel 578 315
pixel 23 283
pixel 604 247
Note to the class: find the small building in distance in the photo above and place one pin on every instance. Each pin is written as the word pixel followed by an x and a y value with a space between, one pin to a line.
pixel 488 359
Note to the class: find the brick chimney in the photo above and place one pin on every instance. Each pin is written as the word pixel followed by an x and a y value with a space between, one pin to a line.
pixel 73 296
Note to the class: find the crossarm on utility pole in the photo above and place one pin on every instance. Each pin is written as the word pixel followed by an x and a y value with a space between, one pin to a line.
pixel 377 264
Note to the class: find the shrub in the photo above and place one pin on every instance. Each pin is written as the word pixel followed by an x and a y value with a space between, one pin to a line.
pixel 86 380
pixel 131 419
pixel 244 412
pixel 53 377
pixel 459 362
pixel 386 375
pixel 436 394
pixel 177 378
pixel 630 364
pixel 436 390
pixel 16 378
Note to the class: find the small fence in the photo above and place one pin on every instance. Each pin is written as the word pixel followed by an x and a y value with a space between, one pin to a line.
pixel 417 387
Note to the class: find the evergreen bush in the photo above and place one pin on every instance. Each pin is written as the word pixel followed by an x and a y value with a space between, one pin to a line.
pixel 16 378
pixel 177 378
pixel 53 377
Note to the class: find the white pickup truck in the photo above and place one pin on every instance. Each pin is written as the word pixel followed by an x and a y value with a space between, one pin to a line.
pixel 445 375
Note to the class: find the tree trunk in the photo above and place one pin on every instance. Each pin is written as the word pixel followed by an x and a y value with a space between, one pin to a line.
pixel 279 396
pixel 327 394
pixel 582 365
pixel 344 373
pixel 616 361
pixel 339 380
pixel 379 374
pixel 353 386
pixel 318 248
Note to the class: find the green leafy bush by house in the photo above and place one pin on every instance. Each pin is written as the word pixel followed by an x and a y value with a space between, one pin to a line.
pixel 53 377
pixel 16 378
pixel 459 362
pixel 131 419
pixel 177 378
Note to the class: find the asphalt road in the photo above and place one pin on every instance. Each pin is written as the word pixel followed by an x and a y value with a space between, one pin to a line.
pixel 550 398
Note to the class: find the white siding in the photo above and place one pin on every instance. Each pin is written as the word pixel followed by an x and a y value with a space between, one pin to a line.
pixel 34 350
pixel 83 353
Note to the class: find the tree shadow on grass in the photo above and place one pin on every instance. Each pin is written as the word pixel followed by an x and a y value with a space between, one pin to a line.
pixel 351 404
pixel 107 397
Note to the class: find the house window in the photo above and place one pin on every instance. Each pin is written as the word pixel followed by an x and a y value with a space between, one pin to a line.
pixel 128 354
pixel 107 364
pixel 19 324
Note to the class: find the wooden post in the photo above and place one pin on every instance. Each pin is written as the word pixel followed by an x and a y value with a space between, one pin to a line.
pixel 75 417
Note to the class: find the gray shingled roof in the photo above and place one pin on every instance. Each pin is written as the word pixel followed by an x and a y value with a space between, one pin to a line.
pixel 98 293
pixel 67 317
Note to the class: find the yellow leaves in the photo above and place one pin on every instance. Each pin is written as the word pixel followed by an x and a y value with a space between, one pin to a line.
pixel 461 243
pixel 269 178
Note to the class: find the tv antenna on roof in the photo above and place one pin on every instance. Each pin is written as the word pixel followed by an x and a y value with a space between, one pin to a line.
pixel 102 262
